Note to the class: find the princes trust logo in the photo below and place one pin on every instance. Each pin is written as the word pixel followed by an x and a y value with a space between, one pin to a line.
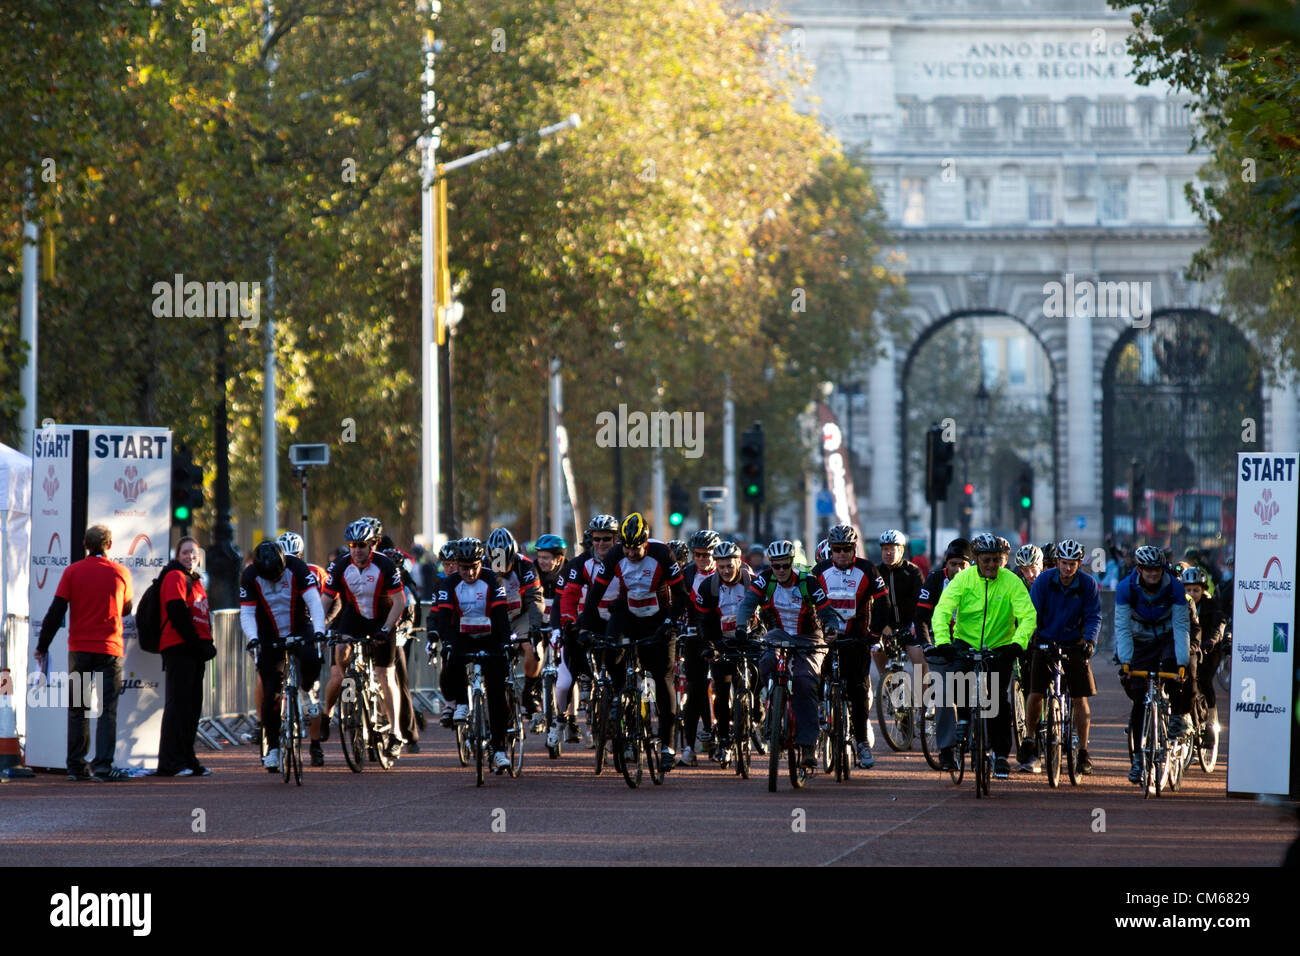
pixel 50 484
pixel 1266 507
pixel 130 486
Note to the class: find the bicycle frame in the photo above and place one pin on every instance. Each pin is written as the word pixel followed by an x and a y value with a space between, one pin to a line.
pixel 1154 743
pixel 1057 702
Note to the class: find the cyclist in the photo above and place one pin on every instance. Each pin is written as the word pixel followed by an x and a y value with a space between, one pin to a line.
pixel 680 552
pixel 823 552
pixel 580 573
pixel 365 592
pixel 447 556
pixel 903 580
pixel 796 603
pixel 694 575
pixel 853 586
pixel 1151 627
pixel 989 608
pixel 652 596
pixel 1068 604
pixel 549 557
pixel 292 545
pixel 1029 564
pixel 1004 551
pixel 717 600
pixel 1207 622
pixel 473 614
pixel 279 602
pixel 956 558
pixel 518 575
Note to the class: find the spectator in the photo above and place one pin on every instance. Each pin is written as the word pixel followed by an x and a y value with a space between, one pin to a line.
pixel 756 557
pixel 186 645
pixel 94 593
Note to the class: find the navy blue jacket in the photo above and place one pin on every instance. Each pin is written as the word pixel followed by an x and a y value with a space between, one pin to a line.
pixel 1066 614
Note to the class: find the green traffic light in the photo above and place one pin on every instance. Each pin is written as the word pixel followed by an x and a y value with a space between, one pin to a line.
pixel 751 490
pixel 181 513
pixel 676 518
pixel 1025 502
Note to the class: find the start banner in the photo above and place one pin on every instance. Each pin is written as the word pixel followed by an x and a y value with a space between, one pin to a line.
pixel 1261 699
pixel 81 476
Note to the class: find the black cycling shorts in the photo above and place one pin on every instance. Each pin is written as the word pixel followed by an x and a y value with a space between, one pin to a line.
pixel 1076 670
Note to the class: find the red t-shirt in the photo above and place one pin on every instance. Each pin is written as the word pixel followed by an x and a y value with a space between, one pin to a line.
pixel 97 590
pixel 174 588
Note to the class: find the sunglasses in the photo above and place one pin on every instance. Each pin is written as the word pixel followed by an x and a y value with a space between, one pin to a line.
pixel 358 544
pixel 701 554
pixel 782 565
pixel 845 550
pixel 602 539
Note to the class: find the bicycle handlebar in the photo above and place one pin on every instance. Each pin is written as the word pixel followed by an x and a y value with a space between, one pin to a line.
pixel 1134 673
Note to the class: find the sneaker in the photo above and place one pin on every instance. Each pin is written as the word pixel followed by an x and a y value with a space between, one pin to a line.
pixel 461 714
pixel 573 736
pixel 185 772
pixel 317 756
pixel 1135 772
pixel 1031 766
pixel 588 741
pixel 201 771
pixel 1085 763
pixel 553 737
pixel 809 758
pixel 1027 751
pixel 446 718
pixel 272 760
pixel 687 758
pixel 112 775
pixel 78 776
pixel 538 723
pixel 866 759
pixel 395 749
pixel 500 761
pixel 1001 768
pixel 669 759
pixel 947 759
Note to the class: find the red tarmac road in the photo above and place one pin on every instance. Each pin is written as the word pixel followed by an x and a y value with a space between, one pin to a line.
pixel 427 811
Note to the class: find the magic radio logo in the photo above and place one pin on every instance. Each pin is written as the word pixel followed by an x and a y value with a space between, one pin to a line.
pixel 1266 507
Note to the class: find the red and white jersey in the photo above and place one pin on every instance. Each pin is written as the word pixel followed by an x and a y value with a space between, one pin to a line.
pixel 851 590
pixel 519 580
pixel 472 603
pixel 368 590
pixel 577 579
pixel 711 596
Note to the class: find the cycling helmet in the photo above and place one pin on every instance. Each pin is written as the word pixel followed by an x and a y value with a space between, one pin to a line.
pixel 551 542
pixel 823 551
pixel 894 536
pixel 468 550
pixel 1070 550
pixel 501 550
pixel 1049 553
pixel 985 543
pixel 1004 546
pixel 1029 556
pixel 448 551
pixel 1194 575
pixel 268 561
pixel 726 549
pixel 780 549
pixel 1149 557
pixel 603 523
pixel 704 540
pixel 290 543
pixel 586 539
pixel 360 531
pixel 843 534
pixel 394 555
pixel 677 548
pixel 376 525
pixel 634 531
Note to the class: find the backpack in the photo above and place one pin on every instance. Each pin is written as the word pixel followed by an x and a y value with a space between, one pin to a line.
pixel 148 613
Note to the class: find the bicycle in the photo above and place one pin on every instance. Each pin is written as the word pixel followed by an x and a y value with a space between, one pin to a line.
pixel 973 734
pixel 291 725
pixel 780 709
pixel 601 699
pixel 746 710
pixel 634 735
pixel 894 705
pixel 477 722
pixel 550 672
pixel 1154 743
pixel 1055 732
pixel 1205 735
pixel 363 729
pixel 1019 716
pixel 838 746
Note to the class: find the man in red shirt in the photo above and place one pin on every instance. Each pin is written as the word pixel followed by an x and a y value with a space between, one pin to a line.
pixel 95 593
pixel 186 646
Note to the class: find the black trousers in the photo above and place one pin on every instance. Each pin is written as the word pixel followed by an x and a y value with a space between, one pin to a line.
pixel 181 707
pixel 405 705
pixel 697 689
pixel 106 671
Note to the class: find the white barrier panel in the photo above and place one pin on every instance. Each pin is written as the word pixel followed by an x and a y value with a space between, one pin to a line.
pixel 1268 497
pixel 126 474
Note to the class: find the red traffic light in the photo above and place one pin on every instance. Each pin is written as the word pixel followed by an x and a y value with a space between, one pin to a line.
pixel 969 489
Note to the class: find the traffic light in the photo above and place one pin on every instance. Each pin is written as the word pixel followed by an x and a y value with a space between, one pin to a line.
pixel 938 465
pixel 679 504
pixel 751 465
pixel 1027 489
pixel 187 487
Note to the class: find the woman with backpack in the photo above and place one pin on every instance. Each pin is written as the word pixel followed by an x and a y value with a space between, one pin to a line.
pixel 186 646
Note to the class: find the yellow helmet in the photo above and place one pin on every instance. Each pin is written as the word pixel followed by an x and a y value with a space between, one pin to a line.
pixel 633 531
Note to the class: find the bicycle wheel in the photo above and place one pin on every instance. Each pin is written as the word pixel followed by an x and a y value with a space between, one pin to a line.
pixel 352 731
pixel 825 721
pixel 654 756
pixel 1053 754
pixel 758 728
pixel 1147 749
pixel 548 708
pixel 961 748
pixel 775 742
pixel 515 733
pixel 286 735
pixel 1068 742
pixel 479 736
pixel 295 746
pixel 1223 678
pixel 464 753
pixel 844 749
pixel 600 723
pixel 799 774
pixel 893 712
pixel 926 722
pixel 1019 730
pixel 983 765
pixel 1207 746
pixel 632 742
pixel 740 734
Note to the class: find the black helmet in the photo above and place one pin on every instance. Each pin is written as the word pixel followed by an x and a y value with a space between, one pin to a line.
pixel 448 551
pixel 502 550
pixel 843 534
pixel 705 540
pixel 726 549
pixel 603 522
pixel 268 560
pixel 677 548
pixel 469 550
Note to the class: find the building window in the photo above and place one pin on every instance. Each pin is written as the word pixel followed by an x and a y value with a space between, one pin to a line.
pixel 914 116
pixel 913 204
pixel 975 115
pixel 1114 199
pixel 1111 115
pixel 990 365
pixel 1040 199
pixel 1178 115
pixel 1040 115
pixel 977 199
pixel 1017 360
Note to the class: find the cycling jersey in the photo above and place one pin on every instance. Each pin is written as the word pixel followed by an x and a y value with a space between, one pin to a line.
pixel 523 592
pixel 275 610
pixel 652 588
pixel 578 578
pixel 1143 619
pixel 903 582
pixel 368 591
pixel 927 598
pixel 986 609
pixel 718 603
pixel 798 608
pixel 319 572
pixel 473 610
pixel 692 579
pixel 1066 614
pixel 851 592
pixel 552 582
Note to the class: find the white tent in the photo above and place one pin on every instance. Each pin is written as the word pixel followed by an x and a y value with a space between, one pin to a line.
pixel 15 559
